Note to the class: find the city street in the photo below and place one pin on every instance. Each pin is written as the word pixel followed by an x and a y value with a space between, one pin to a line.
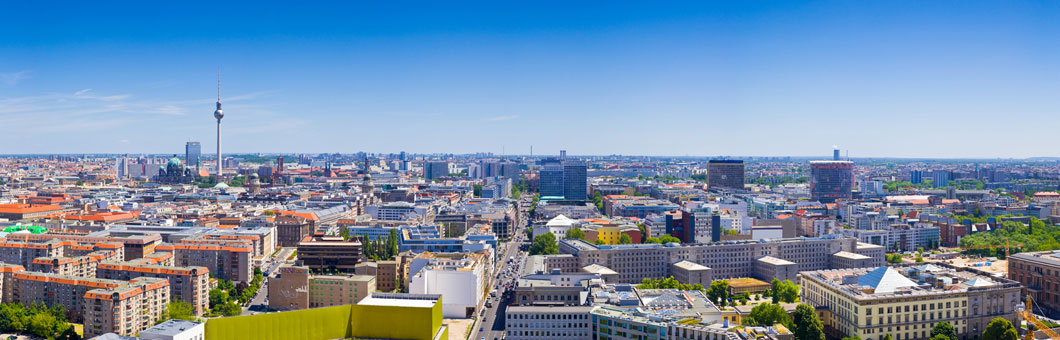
pixel 491 323
pixel 258 304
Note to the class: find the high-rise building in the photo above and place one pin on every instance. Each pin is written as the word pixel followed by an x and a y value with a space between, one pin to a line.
pixel 192 151
pixel 940 179
pixel 831 180
pixel 122 165
pixel 432 170
pixel 916 176
pixel 835 154
pixel 575 187
pixel 489 168
pixel 560 178
pixel 725 174
pixel 509 170
pixel 551 179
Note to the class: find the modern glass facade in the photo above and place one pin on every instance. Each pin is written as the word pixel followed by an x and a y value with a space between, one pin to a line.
pixel 831 180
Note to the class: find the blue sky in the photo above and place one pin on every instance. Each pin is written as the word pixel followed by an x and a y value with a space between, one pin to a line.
pixel 881 78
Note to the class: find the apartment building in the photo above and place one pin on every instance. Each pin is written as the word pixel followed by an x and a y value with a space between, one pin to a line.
pixel 127 309
pixel 23 253
pixel 188 284
pixel 907 301
pixel 7 272
pixel 29 288
pixel 225 262
pixel 84 266
pixel 130 246
pixel 728 259
pixel 115 306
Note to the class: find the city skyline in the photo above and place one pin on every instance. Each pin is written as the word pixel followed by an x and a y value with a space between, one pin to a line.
pixel 952 80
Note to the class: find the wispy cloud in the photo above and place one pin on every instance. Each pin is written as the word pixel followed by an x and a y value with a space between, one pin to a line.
pixel 501 118
pixel 13 78
pixel 87 101
pixel 247 96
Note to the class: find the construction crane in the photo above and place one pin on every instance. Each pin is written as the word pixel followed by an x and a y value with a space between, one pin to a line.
pixel 1027 313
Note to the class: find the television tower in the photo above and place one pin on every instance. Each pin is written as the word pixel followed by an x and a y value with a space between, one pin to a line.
pixel 219 114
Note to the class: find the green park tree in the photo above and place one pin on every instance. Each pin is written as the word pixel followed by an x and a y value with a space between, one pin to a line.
pixel 807 325
pixel 1000 329
pixel 544 244
pixel 768 314
pixel 718 292
pixel 944 329
pixel 575 234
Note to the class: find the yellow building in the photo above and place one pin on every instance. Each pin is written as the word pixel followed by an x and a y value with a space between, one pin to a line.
pixel 378 316
pixel 611 233
pixel 738 286
pixel 907 301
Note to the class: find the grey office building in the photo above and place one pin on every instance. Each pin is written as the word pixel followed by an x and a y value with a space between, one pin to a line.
pixel 432 170
pixel 509 170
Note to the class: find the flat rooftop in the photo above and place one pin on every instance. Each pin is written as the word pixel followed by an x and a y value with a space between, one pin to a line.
pixel 907 280
pixel 400 300
pixel 171 327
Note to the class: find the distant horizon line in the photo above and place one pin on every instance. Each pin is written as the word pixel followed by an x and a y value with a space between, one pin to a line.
pixel 829 157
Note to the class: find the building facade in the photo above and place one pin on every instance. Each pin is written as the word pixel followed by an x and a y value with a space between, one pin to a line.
pixel 831 180
pixel 548 323
pixel 727 259
pixel 725 174
pixel 188 284
pixel 907 301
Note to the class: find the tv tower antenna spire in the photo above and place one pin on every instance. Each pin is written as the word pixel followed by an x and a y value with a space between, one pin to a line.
pixel 219 114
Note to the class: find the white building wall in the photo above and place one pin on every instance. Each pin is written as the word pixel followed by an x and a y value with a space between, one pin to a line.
pixel 460 289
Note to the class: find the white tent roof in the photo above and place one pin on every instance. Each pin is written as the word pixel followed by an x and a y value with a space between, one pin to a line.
pixel 885 280
pixel 560 221
pixel 929 268
pixel 978 282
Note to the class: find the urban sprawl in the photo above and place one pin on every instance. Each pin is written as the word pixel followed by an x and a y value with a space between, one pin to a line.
pixel 526 247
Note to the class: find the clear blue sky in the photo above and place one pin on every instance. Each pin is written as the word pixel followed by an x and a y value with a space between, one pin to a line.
pixel 880 78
